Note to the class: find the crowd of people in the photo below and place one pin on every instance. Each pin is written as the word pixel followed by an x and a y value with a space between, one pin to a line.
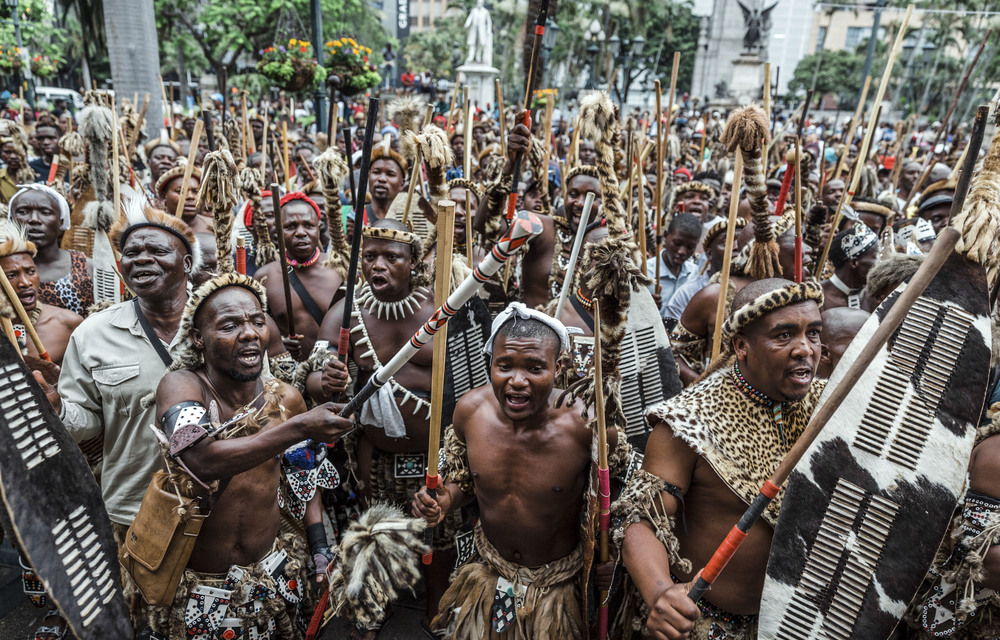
pixel 190 357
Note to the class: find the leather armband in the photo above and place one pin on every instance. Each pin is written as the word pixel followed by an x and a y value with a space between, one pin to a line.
pixel 186 424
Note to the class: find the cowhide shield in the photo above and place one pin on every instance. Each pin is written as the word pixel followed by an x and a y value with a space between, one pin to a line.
pixel 649 373
pixel 55 508
pixel 867 506
pixel 466 366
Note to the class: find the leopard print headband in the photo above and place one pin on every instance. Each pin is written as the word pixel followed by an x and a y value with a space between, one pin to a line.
pixel 394 235
pixel 749 313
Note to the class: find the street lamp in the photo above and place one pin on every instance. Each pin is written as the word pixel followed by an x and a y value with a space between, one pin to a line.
pixel 25 60
pixel 595 35
pixel 548 44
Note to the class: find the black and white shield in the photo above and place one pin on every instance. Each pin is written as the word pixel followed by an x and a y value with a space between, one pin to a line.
pixel 869 503
pixel 55 507
pixel 648 371
pixel 466 367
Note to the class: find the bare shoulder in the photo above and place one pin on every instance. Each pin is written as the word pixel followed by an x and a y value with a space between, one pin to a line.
pixel 984 467
pixel 669 457
pixel 468 406
pixel 178 386
pixel 265 274
pixel 291 399
pixel 63 316
pixel 569 415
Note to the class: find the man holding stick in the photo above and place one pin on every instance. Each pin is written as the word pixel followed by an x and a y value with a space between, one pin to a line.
pixel 528 543
pixel 710 450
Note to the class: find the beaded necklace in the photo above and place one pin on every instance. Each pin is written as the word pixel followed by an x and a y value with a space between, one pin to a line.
pixel 585 302
pixel 295 264
pixel 749 391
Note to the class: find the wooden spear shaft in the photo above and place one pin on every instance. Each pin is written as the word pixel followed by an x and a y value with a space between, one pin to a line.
pixel 134 138
pixel 734 205
pixel 283 258
pixel 849 133
pixel 442 287
pixel 866 141
pixel 501 116
pixel 287 168
pixel 415 172
pixel 604 480
pixel 666 127
pixel 466 135
pixel 658 191
pixel 189 168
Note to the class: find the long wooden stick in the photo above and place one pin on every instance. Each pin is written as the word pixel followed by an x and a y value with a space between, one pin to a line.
pixel 851 126
pixel 167 124
pixel 798 209
pixel 658 191
pixel 134 138
pixel 931 265
pixel 665 215
pixel 415 172
pixel 501 116
pixel 641 220
pixel 767 106
pixel 451 110
pixel 116 187
pixel 189 168
pixel 287 168
pixel 603 477
pixel 468 228
pixel 442 287
pixel 630 181
pixel 466 135
pixel 866 141
pixel 283 258
pixel 734 205
pixel 263 148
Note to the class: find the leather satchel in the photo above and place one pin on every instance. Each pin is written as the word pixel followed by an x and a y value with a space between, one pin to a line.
pixel 160 540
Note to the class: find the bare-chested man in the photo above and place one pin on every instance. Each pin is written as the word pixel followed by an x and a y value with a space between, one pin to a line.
pixel 53 324
pixel 543 266
pixel 391 449
pixel 227 423
pixel 852 253
pixel 313 285
pixel 711 449
pixel 527 462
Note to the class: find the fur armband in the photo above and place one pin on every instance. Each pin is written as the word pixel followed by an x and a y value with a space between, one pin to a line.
pixel 283 367
pixel 320 355
pixel 457 463
pixel 688 347
pixel 642 499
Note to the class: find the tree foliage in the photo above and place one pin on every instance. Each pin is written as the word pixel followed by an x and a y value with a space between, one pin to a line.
pixel 839 74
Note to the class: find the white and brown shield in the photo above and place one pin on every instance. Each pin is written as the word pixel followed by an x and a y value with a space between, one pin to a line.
pixel 872 498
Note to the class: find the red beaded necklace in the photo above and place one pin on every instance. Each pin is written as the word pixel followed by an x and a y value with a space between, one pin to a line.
pixel 295 264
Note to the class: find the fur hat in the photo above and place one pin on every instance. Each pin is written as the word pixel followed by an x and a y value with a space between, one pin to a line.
pixel 170 174
pixel 162 141
pixel 384 150
pixel 137 216
pixel 720 227
pixel 421 277
pixel 12 133
pixel 465 183
pixel 861 205
pixel 695 185
pixel 791 293
pixel 14 240
pixel 186 356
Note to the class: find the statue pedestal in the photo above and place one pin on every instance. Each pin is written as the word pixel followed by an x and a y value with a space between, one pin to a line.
pixel 748 81
pixel 479 78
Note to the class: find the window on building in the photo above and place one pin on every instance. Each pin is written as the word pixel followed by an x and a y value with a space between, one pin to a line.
pixel 856 36
pixel 820 39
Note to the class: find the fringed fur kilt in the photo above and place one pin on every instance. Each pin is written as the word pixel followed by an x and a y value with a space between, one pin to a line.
pixel 552 603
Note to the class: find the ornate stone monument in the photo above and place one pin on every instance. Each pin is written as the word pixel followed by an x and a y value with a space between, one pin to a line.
pixel 478 71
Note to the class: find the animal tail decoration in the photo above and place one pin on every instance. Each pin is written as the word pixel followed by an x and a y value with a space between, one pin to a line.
pixel 96 127
pixel 599 123
pixel 746 131
pixel 219 188
pixel 251 186
pixel 332 173
pixel 979 221
pixel 406 113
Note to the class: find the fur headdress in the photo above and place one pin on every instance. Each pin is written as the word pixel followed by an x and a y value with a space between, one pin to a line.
pixel 599 123
pixel 383 150
pixel 465 183
pixel 170 174
pixel 436 155
pixel 137 216
pixel 407 113
pixel 696 186
pixel 12 133
pixel 14 240
pixel 979 222
pixel 720 227
pixel 162 141
pixel 746 130
pixel 792 293
pixel 421 277
pixel 332 173
pixel 861 205
pixel 582 169
pixel 186 356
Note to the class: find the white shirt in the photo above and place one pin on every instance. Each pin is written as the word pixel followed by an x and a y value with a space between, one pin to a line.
pixel 669 282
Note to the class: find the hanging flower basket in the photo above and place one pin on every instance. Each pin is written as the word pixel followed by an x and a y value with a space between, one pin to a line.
pixel 44 67
pixel 10 60
pixel 291 68
pixel 348 60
